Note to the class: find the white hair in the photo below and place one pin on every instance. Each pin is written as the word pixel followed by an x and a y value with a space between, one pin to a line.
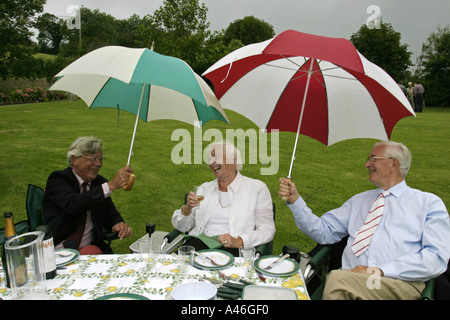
pixel 399 151
pixel 231 153
pixel 83 146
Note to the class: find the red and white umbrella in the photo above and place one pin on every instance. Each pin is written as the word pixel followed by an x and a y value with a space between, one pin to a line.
pixel 317 86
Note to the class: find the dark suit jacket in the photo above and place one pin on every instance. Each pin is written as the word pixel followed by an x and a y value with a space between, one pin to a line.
pixel 63 203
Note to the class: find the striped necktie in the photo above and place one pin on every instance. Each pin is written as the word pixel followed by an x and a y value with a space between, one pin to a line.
pixel 366 231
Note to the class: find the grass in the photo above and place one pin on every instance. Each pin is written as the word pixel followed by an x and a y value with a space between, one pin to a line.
pixel 34 139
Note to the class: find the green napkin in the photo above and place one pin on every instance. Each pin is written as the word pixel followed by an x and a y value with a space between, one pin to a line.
pixel 211 242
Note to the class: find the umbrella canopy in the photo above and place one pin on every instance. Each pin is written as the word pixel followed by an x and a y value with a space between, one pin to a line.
pixel 150 85
pixel 317 86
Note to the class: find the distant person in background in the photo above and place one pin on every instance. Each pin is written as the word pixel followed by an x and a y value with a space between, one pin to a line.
pixel 401 86
pixel 418 96
pixel 410 95
pixel 77 203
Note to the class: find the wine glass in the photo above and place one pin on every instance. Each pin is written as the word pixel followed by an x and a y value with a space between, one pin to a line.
pixel 199 194
pixel 150 228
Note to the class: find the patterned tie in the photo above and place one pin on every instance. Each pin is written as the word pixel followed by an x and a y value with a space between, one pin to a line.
pixel 366 231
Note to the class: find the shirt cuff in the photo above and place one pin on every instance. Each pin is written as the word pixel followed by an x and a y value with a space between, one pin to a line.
pixel 298 205
pixel 106 191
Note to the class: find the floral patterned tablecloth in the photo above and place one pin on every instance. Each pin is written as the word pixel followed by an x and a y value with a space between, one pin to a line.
pixel 96 276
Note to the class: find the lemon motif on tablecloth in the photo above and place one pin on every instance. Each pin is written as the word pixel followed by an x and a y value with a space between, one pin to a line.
pixel 296 282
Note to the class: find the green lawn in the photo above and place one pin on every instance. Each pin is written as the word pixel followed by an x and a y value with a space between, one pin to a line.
pixel 34 139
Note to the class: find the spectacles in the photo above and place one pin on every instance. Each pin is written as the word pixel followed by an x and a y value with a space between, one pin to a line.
pixel 371 159
pixel 94 159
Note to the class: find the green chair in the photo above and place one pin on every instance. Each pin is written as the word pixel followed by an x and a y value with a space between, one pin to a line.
pixel 324 258
pixel 35 195
pixel 261 250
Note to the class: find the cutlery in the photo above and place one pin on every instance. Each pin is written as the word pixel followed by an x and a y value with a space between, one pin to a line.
pixel 276 261
pixel 205 256
pixel 225 277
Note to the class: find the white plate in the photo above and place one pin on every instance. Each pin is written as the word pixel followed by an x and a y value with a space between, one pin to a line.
pixel 70 255
pixel 283 268
pixel 194 291
pixel 222 258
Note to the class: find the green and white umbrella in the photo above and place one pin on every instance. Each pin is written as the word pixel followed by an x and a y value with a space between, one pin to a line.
pixel 150 85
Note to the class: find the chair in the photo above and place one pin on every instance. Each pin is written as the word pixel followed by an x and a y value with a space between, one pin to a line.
pixel 35 196
pixel 325 258
pixel 34 200
pixel 261 250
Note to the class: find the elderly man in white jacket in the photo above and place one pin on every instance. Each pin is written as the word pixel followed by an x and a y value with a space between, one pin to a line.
pixel 236 209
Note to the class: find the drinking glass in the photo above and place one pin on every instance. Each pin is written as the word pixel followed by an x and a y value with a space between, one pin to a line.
pixel 157 256
pixel 145 244
pixel 185 257
pixel 199 194
pixel 247 256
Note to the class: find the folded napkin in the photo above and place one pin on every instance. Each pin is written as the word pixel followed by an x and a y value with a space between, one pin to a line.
pixel 211 242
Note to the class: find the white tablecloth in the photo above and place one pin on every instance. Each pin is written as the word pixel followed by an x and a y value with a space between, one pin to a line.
pixel 96 276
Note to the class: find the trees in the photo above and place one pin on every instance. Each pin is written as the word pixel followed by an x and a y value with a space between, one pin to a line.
pixel 434 67
pixel 382 46
pixel 248 30
pixel 179 28
pixel 52 32
pixel 16 18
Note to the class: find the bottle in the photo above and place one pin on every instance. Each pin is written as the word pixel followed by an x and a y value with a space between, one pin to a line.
pixel 10 232
pixel 47 244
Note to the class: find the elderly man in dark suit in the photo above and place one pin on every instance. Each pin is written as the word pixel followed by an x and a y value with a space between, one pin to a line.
pixel 77 202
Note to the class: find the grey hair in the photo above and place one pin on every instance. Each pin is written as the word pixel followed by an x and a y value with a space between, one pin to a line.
pixel 399 151
pixel 230 150
pixel 83 146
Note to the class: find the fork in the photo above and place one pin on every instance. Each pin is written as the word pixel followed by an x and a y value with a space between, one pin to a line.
pixel 205 256
pixel 276 261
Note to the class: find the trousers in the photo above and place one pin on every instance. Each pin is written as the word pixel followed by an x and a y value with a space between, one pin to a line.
pixel 348 285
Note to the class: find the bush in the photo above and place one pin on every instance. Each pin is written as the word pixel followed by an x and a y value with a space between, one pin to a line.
pixel 31 95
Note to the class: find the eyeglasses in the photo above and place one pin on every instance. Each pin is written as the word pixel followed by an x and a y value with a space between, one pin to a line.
pixel 371 159
pixel 94 159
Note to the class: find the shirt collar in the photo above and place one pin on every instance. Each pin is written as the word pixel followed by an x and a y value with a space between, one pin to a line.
pixel 398 189
pixel 79 180
pixel 234 185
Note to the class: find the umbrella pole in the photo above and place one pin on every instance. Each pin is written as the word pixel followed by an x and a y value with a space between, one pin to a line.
pixel 135 125
pixel 301 116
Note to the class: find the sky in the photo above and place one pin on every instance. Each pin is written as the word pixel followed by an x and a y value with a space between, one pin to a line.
pixel 414 19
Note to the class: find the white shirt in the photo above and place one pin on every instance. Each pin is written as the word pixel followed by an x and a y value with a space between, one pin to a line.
pixel 250 211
